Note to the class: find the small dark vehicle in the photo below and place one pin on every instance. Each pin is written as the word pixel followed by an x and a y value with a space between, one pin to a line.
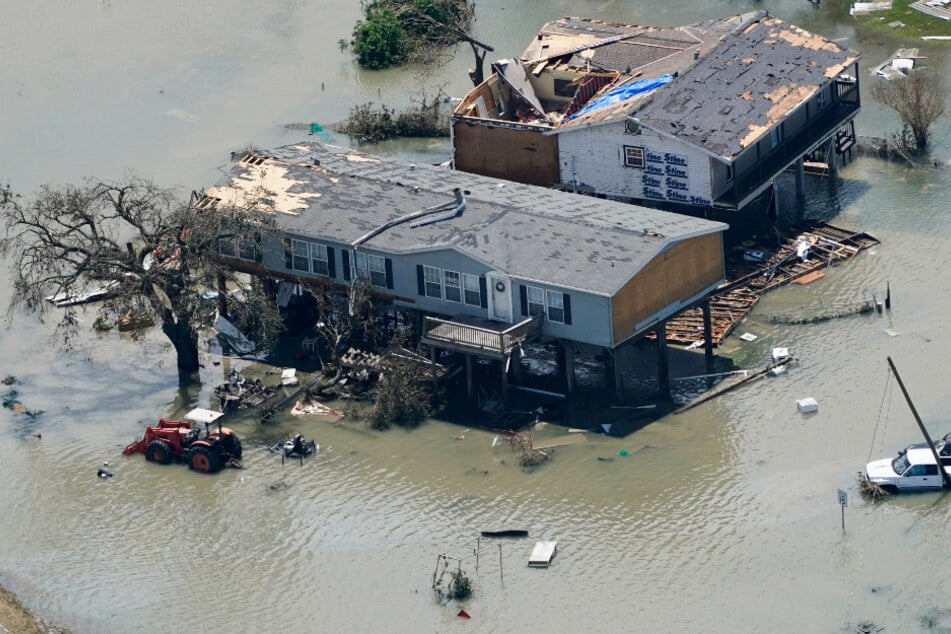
pixel 178 440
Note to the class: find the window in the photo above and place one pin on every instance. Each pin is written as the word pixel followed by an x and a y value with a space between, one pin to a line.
pixel 300 252
pixel 377 266
pixel 248 250
pixel 536 301
pixel 372 267
pixel 471 288
pixel 821 99
pixel 226 247
pixel 453 287
pixel 634 156
pixel 241 248
pixel 774 138
pixel 432 279
pixel 729 172
pixel 556 306
pixel 319 260
pixel 363 270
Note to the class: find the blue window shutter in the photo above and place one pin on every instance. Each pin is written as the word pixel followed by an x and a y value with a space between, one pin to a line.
pixel 566 299
pixel 287 253
pixel 331 263
pixel 346 264
pixel 388 265
pixel 523 296
pixel 420 280
pixel 483 292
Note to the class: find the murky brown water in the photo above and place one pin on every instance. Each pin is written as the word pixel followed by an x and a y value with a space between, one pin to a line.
pixel 721 519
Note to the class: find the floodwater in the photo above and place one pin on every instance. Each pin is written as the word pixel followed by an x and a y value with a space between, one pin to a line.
pixel 720 519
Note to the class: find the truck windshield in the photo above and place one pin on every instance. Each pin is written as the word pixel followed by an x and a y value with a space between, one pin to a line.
pixel 900 464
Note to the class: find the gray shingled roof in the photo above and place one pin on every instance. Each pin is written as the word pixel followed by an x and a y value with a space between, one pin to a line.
pixel 751 71
pixel 733 96
pixel 564 239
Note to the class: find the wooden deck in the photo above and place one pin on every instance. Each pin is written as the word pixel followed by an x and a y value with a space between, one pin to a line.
pixel 829 245
pixel 489 339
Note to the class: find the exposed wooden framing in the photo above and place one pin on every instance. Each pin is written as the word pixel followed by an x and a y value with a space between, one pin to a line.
pixel 734 300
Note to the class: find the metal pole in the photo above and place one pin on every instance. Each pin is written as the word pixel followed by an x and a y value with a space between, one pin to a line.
pixel 843 518
pixel 921 426
pixel 501 577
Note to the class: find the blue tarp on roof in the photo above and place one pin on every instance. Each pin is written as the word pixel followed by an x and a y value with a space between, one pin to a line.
pixel 622 92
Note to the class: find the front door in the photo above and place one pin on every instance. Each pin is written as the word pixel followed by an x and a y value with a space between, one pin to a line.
pixel 500 296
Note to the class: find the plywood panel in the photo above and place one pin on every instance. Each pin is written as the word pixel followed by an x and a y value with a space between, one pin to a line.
pixel 516 154
pixel 672 277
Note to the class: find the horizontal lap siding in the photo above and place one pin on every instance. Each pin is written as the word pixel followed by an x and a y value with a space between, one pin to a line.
pixel 672 277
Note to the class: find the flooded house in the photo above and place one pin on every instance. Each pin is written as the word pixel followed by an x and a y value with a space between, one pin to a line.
pixel 484 265
pixel 698 119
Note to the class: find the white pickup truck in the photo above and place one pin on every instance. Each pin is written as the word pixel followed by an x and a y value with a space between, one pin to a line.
pixel 914 468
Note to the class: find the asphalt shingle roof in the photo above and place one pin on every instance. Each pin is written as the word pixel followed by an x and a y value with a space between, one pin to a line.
pixel 534 233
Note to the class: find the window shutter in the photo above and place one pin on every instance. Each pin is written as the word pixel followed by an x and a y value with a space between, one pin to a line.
pixel 483 292
pixel 346 264
pixel 523 296
pixel 287 253
pixel 566 299
pixel 420 280
pixel 331 263
pixel 388 265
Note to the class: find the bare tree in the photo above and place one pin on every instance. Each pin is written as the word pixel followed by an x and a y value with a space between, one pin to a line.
pixel 919 99
pixel 137 242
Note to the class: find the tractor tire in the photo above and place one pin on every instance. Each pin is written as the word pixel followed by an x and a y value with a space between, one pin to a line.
pixel 158 451
pixel 204 459
pixel 235 449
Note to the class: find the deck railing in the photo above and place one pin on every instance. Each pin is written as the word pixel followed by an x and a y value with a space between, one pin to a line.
pixel 484 339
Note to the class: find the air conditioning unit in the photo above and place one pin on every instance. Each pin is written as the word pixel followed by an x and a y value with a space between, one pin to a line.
pixel 632 127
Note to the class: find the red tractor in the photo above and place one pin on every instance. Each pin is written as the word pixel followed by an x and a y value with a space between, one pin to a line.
pixel 178 440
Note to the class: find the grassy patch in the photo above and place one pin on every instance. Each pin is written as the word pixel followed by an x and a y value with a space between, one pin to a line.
pixel 915 22
pixel 14 617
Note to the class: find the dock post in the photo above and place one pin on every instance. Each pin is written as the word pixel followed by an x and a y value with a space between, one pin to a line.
pixel 470 384
pixel 707 335
pixel 618 376
pixel 569 365
pixel 800 171
pixel 432 359
pixel 505 376
pixel 663 366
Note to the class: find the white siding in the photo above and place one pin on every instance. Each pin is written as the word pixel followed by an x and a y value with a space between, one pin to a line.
pixel 673 171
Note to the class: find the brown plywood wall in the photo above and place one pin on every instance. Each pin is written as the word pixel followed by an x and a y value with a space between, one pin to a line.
pixel 673 276
pixel 524 156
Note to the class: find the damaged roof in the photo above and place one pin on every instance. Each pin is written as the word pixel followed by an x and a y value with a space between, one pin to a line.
pixel 736 77
pixel 533 233
pixel 734 95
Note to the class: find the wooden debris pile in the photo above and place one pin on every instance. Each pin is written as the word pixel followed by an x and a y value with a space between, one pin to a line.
pixel 811 249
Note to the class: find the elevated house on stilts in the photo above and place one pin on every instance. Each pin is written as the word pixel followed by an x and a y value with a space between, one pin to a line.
pixel 699 119
pixel 485 265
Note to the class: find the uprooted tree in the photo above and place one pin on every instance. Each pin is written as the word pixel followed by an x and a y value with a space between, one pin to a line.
pixel 394 32
pixel 918 99
pixel 151 252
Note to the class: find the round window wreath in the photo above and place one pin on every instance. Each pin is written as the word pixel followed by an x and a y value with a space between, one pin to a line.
pixel 500 286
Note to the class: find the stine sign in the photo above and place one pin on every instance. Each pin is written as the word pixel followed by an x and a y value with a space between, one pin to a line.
pixel 666 178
